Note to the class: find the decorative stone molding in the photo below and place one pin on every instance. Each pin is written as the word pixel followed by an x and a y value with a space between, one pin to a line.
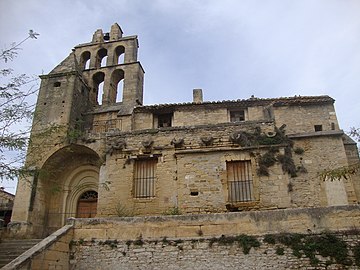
pixel 240 137
pixel 147 144
pixel 177 142
pixel 207 141
pixel 115 144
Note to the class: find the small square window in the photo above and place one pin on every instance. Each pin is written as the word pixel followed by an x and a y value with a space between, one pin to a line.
pixel 164 120
pixel 318 128
pixel 237 116
pixel 57 84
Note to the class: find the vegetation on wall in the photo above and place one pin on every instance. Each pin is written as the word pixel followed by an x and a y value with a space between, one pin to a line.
pixel 327 245
pixel 321 249
pixel 286 160
pixel 245 241
pixel 173 211
pixel 76 132
pixel 255 138
pixel 268 159
pixel 338 173
pixel 356 251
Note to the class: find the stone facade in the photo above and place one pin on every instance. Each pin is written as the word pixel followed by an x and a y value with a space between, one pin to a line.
pixel 97 150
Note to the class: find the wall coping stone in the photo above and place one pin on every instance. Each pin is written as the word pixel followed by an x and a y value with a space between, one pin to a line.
pixel 273 221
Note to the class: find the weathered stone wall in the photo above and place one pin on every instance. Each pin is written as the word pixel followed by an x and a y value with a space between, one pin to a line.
pixel 203 116
pixel 307 188
pixel 180 170
pixel 195 167
pixel 204 253
pixel 303 118
pixel 187 242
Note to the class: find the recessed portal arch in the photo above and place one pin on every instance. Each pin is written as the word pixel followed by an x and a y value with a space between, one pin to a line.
pixel 64 178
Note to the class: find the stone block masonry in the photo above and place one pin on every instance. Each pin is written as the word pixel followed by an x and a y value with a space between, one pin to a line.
pixel 243 252
pixel 220 241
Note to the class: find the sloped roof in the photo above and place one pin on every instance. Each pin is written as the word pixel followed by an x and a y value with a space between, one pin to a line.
pixel 251 102
pixel 67 65
pixel 347 139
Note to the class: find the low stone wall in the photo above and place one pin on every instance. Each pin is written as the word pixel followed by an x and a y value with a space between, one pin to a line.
pixel 314 220
pixel 277 239
pixel 217 253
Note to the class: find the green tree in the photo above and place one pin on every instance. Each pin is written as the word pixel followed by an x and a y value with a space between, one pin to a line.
pixel 355 133
pixel 17 99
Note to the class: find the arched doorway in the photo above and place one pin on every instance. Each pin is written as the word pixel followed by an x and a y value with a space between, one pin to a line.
pixel 65 178
pixel 87 204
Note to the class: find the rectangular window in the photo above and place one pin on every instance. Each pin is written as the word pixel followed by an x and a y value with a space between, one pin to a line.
pixel 237 116
pixel 164 120
pixel 318 128
pixel 240 183
pixel 144 178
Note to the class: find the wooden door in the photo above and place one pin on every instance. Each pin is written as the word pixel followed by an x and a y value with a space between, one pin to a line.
pixel 87 205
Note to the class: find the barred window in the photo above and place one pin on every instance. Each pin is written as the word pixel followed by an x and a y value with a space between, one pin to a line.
pixel 144 178
pixel 240 183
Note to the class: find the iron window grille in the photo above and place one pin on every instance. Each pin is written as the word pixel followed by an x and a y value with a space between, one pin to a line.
pixel 144 178
pixel 240 182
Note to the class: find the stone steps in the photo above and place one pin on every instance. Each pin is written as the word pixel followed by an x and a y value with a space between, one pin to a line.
pixel 11 249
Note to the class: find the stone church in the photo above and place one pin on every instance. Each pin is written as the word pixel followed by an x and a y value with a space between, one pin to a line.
pixel 97 150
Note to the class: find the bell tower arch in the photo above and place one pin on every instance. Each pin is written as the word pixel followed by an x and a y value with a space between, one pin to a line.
pixel 121 66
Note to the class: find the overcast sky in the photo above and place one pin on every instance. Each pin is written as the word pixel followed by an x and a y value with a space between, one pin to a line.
pixel 232 49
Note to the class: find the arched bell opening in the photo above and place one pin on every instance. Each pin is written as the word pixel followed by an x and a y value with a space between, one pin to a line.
pixel 101 58
pixel 98 87
pixel 119 55
pixel 85 60
pixel 116 86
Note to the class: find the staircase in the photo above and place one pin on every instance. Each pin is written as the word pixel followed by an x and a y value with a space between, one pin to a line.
pixel 11 249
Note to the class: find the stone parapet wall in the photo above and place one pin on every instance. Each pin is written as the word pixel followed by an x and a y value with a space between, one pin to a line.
pixel 300 220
